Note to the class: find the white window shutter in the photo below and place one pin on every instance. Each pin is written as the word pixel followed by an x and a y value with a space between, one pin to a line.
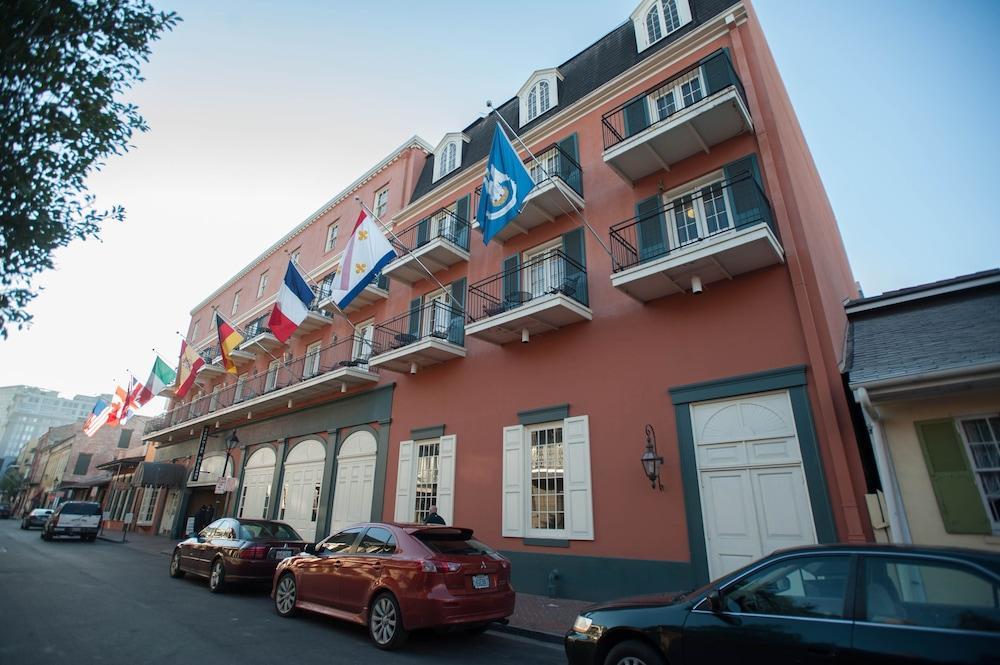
pixel 404 483
pixel 446 478
pixel 513 481
pixel 683 12
pixel 576 437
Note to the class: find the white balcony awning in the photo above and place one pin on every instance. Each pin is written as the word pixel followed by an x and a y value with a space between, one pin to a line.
pixel 422 353
pixel 549 312
pixel 436 255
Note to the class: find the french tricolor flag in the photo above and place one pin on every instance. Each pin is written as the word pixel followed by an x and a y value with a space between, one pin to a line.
pixel 293 303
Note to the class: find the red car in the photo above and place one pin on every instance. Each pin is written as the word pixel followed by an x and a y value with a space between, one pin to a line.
pixel 395 578
pixel 235 550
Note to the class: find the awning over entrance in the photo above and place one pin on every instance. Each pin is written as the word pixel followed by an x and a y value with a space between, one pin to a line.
pixel 159 474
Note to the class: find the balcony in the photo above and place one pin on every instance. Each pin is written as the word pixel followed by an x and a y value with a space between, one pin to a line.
pixel 334 369
pixel 544 294
pixel 424 336
pixel 434 243
pixel 257 333
pixel 377 290
pixel 720 231
pixel 558 182
pixel 698 108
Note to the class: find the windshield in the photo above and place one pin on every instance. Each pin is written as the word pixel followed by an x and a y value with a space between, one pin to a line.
pixel 41 511
pixel 456 545
pixel 81 509
pixel 267 531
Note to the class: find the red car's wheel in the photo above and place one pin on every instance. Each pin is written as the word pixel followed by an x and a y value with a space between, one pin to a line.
pixel 285 594
pixel 385 623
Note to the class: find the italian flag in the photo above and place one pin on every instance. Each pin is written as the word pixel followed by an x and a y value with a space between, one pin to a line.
pixel 160 378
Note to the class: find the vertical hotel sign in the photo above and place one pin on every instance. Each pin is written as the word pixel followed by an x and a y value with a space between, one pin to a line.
pixel 201 454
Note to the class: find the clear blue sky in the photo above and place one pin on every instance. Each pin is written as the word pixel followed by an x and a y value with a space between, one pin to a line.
pixel 260 111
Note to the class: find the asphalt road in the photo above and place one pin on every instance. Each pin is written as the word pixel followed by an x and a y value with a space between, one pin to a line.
pixel 71 602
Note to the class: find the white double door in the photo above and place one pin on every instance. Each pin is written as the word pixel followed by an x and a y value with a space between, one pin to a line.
pixel 754 498
pixel 257 490
pixel 355 487
pixel 303 483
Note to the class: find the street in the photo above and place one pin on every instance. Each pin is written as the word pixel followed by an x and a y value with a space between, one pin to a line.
pixel 69 601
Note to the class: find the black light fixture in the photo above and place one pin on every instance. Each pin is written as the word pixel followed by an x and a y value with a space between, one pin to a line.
pixel 651 461
pixel 231 442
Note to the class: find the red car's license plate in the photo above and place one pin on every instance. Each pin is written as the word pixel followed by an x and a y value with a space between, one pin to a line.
pixel 480 581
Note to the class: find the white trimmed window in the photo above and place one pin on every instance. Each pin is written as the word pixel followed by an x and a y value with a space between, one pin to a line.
pixel 311 365
pixel 543 270
pixel 296 255
pixel 194 331
pixel 426 477
pixel 448 154
pixel 438 318
pixel 698 210
pixel 546 480
pixel 539 94
pixel 982 440
pixel 363 337
pixel 262 284
pixel 655 19
pixel 236 303
pixel 240 385
pixel 331 236
pixel 148 505
pixel 213 402
pixel 271 380
pixel 381 202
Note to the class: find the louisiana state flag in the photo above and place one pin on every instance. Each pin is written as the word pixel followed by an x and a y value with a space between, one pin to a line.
pixel 229 339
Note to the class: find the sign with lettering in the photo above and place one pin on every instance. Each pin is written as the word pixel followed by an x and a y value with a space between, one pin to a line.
pixel 226 484
pixel 201 454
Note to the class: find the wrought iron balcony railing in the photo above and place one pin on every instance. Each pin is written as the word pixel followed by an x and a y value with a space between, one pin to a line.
pixel 325 287
pixel 553 162
pixel 715 209
pixel 432 320
pixel 443 223
pixel 210 353
pixel 551 273
pixel 256 327
pixel 661 102
pixel 347 352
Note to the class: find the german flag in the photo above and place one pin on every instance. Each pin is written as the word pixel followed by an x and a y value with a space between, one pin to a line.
pixel 229 339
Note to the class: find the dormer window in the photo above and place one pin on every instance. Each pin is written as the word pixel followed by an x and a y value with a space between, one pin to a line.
pixel 539 94
pixel 448 155
pixel 655 19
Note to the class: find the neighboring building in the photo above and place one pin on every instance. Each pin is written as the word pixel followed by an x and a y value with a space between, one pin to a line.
pixel 26 412
pixel 923 363
pixel 719 322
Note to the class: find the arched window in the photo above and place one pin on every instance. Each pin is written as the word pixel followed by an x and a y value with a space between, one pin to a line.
pixel 670 16
pixel 653 30
pixel 543 96
pixel 532 104
pixel 447 159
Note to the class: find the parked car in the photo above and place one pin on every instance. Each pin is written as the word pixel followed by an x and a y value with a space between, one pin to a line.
pixel 830 604
pixel 37 517
pixel 395 578
pixel 5 511
pixel 235 550
pixel 74 518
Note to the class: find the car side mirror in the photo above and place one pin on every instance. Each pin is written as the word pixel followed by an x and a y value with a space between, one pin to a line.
pixel 714 601
pixel 310 548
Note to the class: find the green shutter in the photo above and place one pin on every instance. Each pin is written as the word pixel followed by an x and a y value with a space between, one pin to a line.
pixel 717 72
pixel 573 247
pixel 462 212
pixel 747 193
pixel 953 481
pixel 511 276
pixel 423 231
pixel 456 328
pixel 82 464
pixel 651 229
pixel 570 171
pixel 414 322
pixel 636 117
pixel 383 281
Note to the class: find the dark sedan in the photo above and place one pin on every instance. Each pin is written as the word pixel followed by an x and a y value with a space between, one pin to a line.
pixel 37 517
pixel 235 550
pixel 830 604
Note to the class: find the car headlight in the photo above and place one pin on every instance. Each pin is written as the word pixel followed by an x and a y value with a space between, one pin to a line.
pixel 582 624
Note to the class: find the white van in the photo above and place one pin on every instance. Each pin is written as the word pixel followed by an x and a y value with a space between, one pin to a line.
pixel 74 518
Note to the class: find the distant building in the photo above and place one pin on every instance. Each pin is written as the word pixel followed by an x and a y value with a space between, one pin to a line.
pixel 26 412
pixel 923 364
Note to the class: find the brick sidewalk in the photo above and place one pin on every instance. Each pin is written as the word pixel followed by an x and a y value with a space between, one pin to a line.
pixel 536 616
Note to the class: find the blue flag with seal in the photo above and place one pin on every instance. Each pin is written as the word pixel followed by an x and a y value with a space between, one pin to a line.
pixel 505 186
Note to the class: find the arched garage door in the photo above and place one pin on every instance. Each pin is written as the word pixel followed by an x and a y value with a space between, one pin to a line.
pixel 354 490
pixel 255 499
pixel 303 480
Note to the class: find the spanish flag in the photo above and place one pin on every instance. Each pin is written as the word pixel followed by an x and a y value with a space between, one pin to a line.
pixel 229 339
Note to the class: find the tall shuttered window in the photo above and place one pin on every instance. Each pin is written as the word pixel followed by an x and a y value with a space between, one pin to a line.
pixel 548 469
pixel 426 486
pixel 982 439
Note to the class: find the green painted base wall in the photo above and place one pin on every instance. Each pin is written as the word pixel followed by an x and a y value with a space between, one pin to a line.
pixel 596 578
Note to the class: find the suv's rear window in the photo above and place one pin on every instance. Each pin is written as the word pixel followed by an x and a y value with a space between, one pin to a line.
pixel 81 509
pixel 444 544
pixel 267 531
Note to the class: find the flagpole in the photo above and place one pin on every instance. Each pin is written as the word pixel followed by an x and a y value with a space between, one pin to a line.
pixel 395 237
pixel 579 215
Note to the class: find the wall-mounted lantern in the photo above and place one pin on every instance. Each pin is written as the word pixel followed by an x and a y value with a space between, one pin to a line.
pixel 651 460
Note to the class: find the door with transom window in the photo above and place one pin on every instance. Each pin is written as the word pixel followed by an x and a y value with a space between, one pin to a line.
pixel 303 483
pixel 699 213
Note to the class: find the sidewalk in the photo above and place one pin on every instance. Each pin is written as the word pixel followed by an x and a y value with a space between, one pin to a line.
pixel 534 616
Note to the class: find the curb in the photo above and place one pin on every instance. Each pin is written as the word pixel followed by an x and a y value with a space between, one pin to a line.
pixel 110 540
pixel 539 635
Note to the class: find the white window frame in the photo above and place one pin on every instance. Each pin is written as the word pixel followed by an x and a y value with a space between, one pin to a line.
pixel 983 495
pixel 241 381
pixel 445 219
pixel 406 478
pixel 693 189
pixel 332 231
pixel 236 303
pixel 262 283
pixel 532 91
pixel 271 378
pixel 147 506
pixel 213 402
pixel 364 332
pixel 295 255
pixel 554 271
pixel 676 88
pixel 442 154
pixel 194 330
pixel 642 37
pixel 436 315
pixel 380 207
pixel 577 485
pixel 310 366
